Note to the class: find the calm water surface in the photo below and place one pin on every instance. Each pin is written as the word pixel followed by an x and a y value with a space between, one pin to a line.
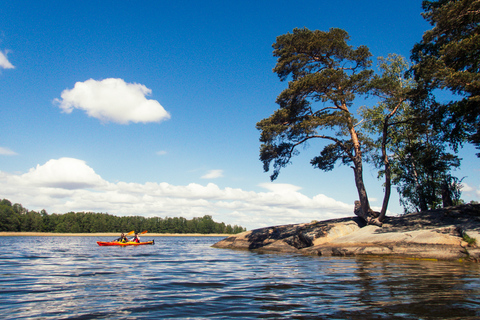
pixel 183 277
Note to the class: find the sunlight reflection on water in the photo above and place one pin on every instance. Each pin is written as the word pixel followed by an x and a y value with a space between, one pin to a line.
pixel 183 277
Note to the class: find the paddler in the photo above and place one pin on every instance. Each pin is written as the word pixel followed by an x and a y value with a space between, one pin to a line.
pixel 136 238
pixel 123 238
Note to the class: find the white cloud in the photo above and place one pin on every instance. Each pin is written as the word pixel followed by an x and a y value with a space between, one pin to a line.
pixel 213 174
pixel 471 192
pixel 64 173
pixel 7 152
pixel 66 184
pixel 466 187
pixel 113 100
pixel 280 187
pixel 161 152
pixel 4 63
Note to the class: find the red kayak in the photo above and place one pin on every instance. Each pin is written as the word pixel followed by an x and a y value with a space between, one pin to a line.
pixel 123 244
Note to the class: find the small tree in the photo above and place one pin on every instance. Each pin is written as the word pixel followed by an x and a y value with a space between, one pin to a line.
pixel 326 72
pixel 411 154
pixel 384 119
pixel 422 171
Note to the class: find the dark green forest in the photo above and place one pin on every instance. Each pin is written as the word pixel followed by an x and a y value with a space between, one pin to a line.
pixel 14 217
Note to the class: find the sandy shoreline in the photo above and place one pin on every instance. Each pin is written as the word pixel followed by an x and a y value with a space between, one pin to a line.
pixel 52 234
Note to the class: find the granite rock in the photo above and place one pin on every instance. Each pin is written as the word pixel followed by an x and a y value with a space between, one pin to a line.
pixel 436 234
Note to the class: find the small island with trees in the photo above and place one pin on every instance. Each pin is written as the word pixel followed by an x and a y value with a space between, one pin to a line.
pixel 409 134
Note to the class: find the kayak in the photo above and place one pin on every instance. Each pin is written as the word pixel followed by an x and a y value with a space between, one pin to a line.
pixel 123 244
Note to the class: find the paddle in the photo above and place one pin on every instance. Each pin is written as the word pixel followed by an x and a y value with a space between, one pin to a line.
pixel 138 235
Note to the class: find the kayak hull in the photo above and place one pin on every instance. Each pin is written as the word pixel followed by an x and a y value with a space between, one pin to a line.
pixel 123 244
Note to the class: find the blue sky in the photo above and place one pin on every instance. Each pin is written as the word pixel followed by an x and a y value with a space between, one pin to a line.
pixel 149 107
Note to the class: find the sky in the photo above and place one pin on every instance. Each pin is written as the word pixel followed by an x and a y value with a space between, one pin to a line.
pixel 149 107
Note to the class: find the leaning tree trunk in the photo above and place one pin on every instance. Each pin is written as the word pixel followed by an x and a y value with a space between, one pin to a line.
pixel 362 192
pixel 364 211
pixel 386 163
pixel 388 187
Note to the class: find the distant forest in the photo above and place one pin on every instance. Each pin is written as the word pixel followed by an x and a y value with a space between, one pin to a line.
pixel 16 218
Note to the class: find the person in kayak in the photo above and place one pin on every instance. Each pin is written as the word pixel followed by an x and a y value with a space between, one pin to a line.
pixel 136 238
pixel 123 238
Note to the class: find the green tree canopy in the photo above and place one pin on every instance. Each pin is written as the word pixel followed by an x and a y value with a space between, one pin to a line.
pixel 448 57
pixel 409 147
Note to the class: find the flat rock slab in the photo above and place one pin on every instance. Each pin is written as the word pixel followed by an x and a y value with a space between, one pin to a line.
pixel 436 234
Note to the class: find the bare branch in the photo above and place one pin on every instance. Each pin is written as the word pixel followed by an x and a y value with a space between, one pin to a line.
pixel 359 123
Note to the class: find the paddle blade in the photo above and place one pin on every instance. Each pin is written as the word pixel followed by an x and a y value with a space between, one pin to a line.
pixel 130 233
pixel 144 232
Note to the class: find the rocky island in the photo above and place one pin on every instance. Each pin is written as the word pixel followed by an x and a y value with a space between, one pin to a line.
pixel 443 234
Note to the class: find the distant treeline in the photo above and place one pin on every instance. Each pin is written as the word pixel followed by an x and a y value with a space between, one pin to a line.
pixel 16 218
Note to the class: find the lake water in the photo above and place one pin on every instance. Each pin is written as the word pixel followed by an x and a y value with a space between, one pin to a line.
pixel 183 277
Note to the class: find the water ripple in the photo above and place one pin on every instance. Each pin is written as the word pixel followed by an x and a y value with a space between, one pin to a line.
pixel 73 278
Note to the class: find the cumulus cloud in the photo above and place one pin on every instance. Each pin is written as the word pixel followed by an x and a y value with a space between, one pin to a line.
pixel 113 100
pixel 67 184
pixel 213 174
pixel 4 63
pixel 7 152
pixel 64 173
pixel 466 188
pixel 471 191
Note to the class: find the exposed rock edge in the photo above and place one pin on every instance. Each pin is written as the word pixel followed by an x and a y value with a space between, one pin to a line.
pixel 436 234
